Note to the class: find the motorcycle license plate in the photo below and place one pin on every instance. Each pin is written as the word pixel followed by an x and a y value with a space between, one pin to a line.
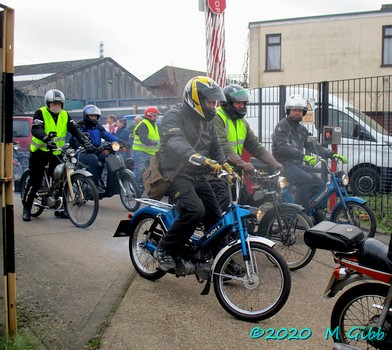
pixel 122 229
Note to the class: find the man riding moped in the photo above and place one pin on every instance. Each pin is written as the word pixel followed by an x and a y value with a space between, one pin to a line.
pixel 289 143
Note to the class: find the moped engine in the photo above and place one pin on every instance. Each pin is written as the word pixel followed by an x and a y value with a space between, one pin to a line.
pixel 53 202
pixel 184 267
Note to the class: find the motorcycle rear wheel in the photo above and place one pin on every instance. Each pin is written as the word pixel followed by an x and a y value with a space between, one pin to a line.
pixel 37 208
pixel 363 217
pixel 289 235
pixel 132 191
pixel 356 308
pixel 141 243
pixel 264 295
pixel 83 210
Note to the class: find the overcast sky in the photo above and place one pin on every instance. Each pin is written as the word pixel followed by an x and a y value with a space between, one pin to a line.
pixel 145 35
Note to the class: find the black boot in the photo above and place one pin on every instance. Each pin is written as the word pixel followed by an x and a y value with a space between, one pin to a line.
pixel 27 205
pixel 26 214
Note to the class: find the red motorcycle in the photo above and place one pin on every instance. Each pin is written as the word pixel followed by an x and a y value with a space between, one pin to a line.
pixel 362 316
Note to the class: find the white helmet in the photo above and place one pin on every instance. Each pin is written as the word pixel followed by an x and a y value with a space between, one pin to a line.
pixel 296 102
pixel 54 96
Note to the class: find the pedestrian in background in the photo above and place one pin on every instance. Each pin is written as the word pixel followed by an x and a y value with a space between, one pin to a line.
pixel 110 125
pixel 123 134
pixel 145 142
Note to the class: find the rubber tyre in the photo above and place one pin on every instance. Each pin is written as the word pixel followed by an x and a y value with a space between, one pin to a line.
pixel 365 182
pixel 133 191
pixel 83 210
pixel 369 226
pixel 142 258
pixel 35 210
pixel 357 303
pixel 271 281
pixel 290 243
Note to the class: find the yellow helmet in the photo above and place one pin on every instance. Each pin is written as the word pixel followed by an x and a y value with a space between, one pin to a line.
pixel 198 90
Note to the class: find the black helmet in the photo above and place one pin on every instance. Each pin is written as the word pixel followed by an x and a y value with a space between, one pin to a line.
pixel 197 90
pixel 91 110
pixel 235 93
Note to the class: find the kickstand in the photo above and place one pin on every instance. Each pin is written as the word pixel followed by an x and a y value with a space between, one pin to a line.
pixel 206 289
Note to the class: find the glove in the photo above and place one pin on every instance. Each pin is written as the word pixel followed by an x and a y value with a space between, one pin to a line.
pixel 271 161
pixel 88 146
pixel 49 142
pixel 236 161
pixel 337 157
pixel 199 160
pixel 247 167
pixel 227 167
pixel 309 160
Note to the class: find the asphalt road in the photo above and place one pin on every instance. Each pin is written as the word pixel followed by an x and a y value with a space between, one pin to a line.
pixel 70 280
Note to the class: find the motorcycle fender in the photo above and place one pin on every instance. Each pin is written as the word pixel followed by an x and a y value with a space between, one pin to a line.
pixel 125 227
pixel 126 171
pixel 292 207
pixel 259 239
pixel 335 286
pixel 348 200
pixel 84 172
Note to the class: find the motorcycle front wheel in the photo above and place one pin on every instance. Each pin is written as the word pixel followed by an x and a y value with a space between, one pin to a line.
pixel 356 311
pixel 287 230
pixel 83 208
pixel 37 208
pixel 142 242
pixel 129 190
pixel 263 294
pixel 357 214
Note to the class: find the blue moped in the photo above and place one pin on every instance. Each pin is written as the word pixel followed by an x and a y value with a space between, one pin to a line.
pixel 251 279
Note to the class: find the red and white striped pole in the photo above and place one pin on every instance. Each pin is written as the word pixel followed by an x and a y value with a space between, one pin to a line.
pixel 215 39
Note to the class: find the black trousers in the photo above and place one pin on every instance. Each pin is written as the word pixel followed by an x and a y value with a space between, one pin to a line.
pixel 37 163
pixel 196 203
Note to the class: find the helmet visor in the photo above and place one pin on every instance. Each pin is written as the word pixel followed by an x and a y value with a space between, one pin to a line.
pixel 240 96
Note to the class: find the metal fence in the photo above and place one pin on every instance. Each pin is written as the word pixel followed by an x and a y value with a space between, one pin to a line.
pixel 360 108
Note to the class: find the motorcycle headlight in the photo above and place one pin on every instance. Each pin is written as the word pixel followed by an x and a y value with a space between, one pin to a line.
pixel 71 152
pixel 115 146
pixel 345 179
pixel 282 182
pixel 74 160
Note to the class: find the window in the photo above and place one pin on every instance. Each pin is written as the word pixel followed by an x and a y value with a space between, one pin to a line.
pixel 387 46
pixel 273 49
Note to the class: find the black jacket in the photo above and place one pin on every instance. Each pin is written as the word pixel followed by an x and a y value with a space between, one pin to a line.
pixel 290 140
pixel 180 130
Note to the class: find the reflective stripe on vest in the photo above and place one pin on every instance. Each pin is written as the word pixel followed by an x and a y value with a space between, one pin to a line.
pixel 50 126
pixel 153 135
pixel 236 134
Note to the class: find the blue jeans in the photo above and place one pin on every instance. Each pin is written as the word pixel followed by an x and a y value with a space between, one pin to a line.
pixel 142 162
pixel 306 181
pixel 91 160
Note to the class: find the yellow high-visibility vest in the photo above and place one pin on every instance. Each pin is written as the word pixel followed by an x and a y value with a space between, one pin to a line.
pixel 236 134
pixel 51 126
pixel 153 134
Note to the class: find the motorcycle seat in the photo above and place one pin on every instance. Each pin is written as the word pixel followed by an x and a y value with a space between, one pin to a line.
pixel 374 254
pixel 328 235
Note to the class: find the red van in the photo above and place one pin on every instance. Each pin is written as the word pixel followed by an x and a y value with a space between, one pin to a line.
pixel 22 132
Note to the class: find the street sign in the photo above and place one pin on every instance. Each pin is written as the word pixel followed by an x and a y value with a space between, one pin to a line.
pixel 217 6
